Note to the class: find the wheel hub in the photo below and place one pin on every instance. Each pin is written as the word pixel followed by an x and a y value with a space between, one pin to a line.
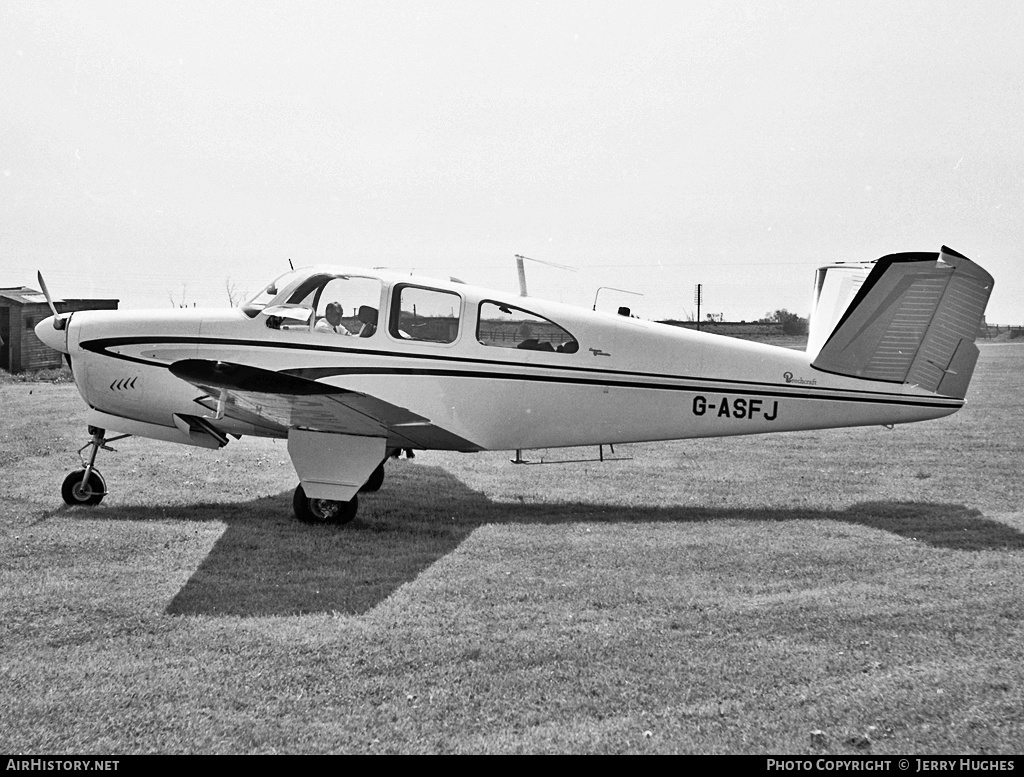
pixel 325 508
pixel 82 492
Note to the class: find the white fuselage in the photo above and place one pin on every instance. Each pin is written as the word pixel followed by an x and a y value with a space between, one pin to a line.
pixel 629 381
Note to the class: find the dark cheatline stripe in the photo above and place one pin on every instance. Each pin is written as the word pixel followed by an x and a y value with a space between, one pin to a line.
pixel 577 376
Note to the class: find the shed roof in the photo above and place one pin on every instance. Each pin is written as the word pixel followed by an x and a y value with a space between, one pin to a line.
pixel 24 295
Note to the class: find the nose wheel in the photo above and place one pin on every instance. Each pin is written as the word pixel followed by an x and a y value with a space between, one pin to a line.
pixel 86 486
pixel 81 488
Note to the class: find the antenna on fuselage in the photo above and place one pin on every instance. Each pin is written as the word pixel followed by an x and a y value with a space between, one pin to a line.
pixel 522 270
pixel 290 263
pixel 612 288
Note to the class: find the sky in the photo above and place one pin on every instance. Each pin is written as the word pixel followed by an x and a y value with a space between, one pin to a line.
pixel 167 152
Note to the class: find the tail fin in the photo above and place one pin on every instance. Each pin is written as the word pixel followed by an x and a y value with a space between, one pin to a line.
pixel 835 286
pixel 913 320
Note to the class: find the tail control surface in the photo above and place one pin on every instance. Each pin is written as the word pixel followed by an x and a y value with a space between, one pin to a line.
pixel 913 320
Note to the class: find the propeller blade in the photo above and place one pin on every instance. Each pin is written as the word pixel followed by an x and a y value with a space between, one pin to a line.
pixel 46 293
pixel 59 321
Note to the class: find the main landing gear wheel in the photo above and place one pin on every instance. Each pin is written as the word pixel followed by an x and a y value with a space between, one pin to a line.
pixel 91 492
pixel 376 480
pixel 323 510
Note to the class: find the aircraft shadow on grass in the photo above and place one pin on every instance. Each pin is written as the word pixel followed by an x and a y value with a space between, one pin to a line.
pixel 266 563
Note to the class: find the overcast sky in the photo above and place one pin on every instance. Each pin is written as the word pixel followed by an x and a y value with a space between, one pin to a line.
pixel 154 151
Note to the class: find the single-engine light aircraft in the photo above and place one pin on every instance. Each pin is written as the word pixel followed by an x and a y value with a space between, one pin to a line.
pixel 354 366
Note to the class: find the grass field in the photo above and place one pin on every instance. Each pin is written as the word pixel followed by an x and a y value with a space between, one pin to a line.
pixel 849 591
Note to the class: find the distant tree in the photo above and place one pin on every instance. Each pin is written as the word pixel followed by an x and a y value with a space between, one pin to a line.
pixel 792 324
pixel 235 296
pixel 180 303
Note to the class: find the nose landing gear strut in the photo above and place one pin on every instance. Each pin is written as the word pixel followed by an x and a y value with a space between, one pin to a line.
pixel 86 486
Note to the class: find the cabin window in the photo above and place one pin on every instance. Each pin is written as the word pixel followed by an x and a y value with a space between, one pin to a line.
pixel 425 315
pixel 506 326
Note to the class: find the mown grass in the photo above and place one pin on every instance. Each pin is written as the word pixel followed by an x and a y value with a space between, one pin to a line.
pixel 714 596
pixel 60 374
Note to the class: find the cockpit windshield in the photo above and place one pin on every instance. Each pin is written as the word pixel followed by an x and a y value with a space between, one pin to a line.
pixel 272 290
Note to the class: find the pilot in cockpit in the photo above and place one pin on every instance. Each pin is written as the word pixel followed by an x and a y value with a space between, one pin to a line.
pixel 331 322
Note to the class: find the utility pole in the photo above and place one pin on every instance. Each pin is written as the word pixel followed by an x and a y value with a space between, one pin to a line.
pixel 698 297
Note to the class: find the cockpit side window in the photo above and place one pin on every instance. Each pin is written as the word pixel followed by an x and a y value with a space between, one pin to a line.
pixel 505 326
pixel 425 315
pixel 347 305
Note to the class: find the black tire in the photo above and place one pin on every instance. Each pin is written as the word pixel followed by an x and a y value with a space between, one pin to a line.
pixel 323 510
pixel 74 494
pixel 375 482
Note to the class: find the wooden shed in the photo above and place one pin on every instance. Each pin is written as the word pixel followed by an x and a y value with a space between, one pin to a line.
pixel 21 308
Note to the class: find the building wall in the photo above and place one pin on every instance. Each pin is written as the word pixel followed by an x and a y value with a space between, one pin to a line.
pixel 24 350
pixel 5 336
pixel 32 353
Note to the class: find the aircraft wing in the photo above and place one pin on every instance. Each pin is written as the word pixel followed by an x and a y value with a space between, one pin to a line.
pixel 265 397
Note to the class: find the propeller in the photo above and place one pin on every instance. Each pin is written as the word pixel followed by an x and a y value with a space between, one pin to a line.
pixel 54 336
pixel 59 321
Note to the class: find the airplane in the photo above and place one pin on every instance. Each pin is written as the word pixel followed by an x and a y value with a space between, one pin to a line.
pixel 353 366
